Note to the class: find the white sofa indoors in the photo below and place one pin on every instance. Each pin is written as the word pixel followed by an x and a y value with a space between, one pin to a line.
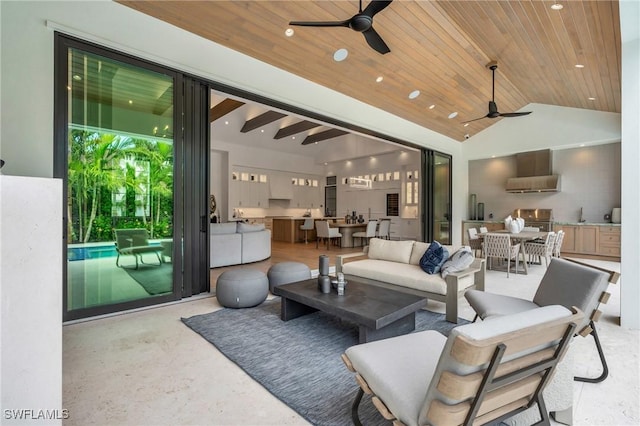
pixel 235 243
pixel 396 264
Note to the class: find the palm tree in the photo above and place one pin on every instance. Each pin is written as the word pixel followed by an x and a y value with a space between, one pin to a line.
pixel 93 165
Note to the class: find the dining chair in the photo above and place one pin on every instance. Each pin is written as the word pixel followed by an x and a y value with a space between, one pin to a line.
pixel 369 233
pixel 535 249
pixel 384 229
pixel 326 233
pixel 308 225
pixel 474 241
pixel 557 245
pixel 499 245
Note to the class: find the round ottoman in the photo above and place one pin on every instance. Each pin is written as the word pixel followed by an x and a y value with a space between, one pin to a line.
pixel 287 272
pixel 242 288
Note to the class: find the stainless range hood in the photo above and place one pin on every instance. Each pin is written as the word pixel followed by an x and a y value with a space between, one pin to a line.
pixel 534 174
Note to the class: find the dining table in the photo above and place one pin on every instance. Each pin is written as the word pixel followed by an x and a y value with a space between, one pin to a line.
pixel 347 230
pixel 521 238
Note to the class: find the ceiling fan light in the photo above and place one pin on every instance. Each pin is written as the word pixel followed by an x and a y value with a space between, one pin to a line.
pixel 556 6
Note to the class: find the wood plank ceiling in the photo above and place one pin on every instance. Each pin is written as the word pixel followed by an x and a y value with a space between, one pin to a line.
pixel 439 47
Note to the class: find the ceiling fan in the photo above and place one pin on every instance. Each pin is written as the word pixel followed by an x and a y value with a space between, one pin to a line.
pixel 493 108
pixel 361 22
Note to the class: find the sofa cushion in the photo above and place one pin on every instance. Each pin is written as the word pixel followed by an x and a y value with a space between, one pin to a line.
pixel 247 227
pixel 403 275
pixel 222 228
pixel 460 260
pixel 433 258
pixel 393 251
pixel 417 252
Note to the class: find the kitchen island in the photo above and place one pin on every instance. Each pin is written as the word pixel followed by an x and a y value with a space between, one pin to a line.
pixel 287 228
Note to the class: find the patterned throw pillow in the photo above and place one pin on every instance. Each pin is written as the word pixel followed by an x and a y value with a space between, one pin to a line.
pixel 433 258
pixel 458 261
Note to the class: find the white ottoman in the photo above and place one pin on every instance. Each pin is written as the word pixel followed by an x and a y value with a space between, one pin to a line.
pixel 242 288
pixel 287 272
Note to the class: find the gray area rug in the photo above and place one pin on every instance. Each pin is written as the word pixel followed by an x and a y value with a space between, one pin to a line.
pixel 154 279
pixel 298 361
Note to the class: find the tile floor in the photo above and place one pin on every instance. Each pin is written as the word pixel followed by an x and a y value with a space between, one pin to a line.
pixel 147 368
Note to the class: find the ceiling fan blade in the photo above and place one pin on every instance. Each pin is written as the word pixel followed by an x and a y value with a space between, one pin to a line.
pixel 475 119
pixel 514 114
pixel 375 41
pixel 375 6
pixel 321 23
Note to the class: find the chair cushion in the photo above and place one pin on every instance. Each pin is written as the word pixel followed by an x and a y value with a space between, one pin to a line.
pixel 393 251
pixel 399 377
pixel 570 284
pixel 458 261
pixel 488 305
pixel 222 228
pixel 433 258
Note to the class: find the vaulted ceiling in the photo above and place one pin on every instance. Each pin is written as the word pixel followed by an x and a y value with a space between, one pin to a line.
pixel 438 47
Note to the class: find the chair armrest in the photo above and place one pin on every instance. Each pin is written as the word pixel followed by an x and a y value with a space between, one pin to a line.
pixel 341 258
pixel 477 268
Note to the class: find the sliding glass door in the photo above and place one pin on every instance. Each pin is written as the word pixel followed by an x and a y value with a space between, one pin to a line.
pixel 115 120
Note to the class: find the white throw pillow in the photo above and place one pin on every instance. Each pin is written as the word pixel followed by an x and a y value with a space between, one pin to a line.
pixel 393 251
pixel 458 261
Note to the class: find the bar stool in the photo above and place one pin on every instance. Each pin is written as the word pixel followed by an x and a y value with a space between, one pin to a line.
pixel 307 226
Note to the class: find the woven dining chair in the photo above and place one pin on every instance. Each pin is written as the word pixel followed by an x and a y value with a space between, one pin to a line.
pixel 557 245
pixel 541 250
pixel 474 241
pixel 499 246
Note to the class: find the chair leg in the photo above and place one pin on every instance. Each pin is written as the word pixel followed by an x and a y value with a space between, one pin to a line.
pixel 603 361
pixel 354 408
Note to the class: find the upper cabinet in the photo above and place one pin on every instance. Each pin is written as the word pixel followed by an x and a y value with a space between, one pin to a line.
pixel 249 189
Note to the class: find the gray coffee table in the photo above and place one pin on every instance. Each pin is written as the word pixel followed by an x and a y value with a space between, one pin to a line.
pixel 379 312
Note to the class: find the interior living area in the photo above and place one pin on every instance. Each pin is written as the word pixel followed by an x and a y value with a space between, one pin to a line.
pixel 175 150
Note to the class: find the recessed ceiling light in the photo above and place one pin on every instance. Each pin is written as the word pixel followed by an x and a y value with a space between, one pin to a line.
pixel 326 164
pixel 130 102
pixel 289 32
pixel 453 115
pixel 76 77
pixel 316 143
pixel 226 122
pixel 340 55
pixel 581 144
pixel 556 6
pixel 432 106
pixel 579 66
pixel 414 94
pixel 493 156
pixel 592 99
pixel 261 130
pixel 379 79
pixel 293 137
pixel 466 124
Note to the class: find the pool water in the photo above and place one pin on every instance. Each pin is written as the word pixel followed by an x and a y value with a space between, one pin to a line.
pixel 91 252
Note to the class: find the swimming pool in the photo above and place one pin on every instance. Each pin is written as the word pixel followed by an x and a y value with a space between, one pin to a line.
pixel 94 251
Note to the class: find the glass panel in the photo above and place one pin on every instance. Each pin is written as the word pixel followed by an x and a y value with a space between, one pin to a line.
pixel 120 182
pixel 441 198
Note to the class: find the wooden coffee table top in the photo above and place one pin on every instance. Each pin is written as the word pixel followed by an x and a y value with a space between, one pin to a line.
pixel 364 304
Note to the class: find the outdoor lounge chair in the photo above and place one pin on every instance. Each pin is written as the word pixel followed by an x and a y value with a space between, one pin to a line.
pixel 484 372
pixel 567 283
pixel 135 242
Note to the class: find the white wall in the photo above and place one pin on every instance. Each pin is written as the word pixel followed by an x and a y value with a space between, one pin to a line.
pixel 630 289
pixel 547 127
pixel 31 294
pixel 589 178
